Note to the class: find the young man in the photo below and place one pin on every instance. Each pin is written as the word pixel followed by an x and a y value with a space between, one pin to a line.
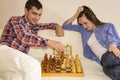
pixel 20 33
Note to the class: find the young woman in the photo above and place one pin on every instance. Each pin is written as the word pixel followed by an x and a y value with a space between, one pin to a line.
pixel 100 40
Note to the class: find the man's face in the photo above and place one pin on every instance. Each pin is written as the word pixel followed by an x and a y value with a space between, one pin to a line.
pixel 33 15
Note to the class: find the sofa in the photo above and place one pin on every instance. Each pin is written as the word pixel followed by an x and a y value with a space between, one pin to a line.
pixel 92 70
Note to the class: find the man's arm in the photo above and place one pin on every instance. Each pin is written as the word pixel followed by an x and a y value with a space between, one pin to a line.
pixel 58 46
pixel 58 29
pixel 26 36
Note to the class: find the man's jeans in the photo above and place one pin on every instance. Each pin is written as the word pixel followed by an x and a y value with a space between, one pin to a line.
pixel 111 65
pixel 13 62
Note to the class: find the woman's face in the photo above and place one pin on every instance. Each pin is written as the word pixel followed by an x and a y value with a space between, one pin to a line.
pixel 87 24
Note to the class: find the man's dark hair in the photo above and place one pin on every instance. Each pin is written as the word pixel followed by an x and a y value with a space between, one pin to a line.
pixel 33 3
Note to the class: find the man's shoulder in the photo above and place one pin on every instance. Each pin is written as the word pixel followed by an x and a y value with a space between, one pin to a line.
pixel 14 18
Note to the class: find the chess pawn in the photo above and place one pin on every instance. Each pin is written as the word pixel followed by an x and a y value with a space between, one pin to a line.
pixel 72 60
pixel 45 58
pixel 68 67
pixel 54 63
pixel 58 62
pixel 48 68
pixel 50 63
pixel 58 66
pixel 73 68
pixel 62 56
pixel 77 61
pixel 77 57
pixel 78 69
pixel 42 66
pixel 67 63
pixel 45 68
pixel 63 65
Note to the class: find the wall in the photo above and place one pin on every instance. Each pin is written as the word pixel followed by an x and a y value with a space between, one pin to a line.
pixel 59 10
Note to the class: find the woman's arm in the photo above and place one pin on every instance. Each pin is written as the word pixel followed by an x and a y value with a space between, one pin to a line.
pixel 114 49
pixel 114 40
pixel 70 20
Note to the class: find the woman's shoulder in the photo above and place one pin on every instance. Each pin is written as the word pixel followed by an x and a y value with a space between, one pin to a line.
pixel 108 24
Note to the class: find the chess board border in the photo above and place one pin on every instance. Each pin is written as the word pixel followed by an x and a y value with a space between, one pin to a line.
pixel 63 74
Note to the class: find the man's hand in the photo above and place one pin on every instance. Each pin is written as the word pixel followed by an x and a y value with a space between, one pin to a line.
pixel 58 46
pixel 59 31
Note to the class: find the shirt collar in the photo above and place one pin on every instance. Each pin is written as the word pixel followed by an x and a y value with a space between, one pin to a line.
pixel 25 19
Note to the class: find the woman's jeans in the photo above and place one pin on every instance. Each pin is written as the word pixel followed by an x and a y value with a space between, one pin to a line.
pixel 111 65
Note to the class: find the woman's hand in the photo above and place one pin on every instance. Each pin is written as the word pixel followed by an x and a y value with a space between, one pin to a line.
pixel 79 10
pixel 115 50
pixel 71 19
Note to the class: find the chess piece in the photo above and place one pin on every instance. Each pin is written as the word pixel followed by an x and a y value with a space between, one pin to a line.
pixel 47 68
pixel 50 63
pixel 45 64
pixel 78 64
pixel 62 56
pixel 67 50
pixel 67 62
pixel 73 68
pixel 78 68
pixel 42 65
pixel 77 57
pixel 54 63
pixel 68 67
pixel 63 65
pixel 58 66
pixel 46 58
pixel 77 61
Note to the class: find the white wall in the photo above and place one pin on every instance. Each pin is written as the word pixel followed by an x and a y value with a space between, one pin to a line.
pixel 59 10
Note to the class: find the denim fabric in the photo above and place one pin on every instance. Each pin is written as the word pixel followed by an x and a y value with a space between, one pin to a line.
pixel 111 65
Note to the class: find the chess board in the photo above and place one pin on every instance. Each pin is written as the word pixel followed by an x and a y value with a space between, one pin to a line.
pixel 62 66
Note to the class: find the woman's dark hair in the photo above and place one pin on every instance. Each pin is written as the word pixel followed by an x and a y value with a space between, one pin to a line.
pixel 33 3
pixel 90 16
